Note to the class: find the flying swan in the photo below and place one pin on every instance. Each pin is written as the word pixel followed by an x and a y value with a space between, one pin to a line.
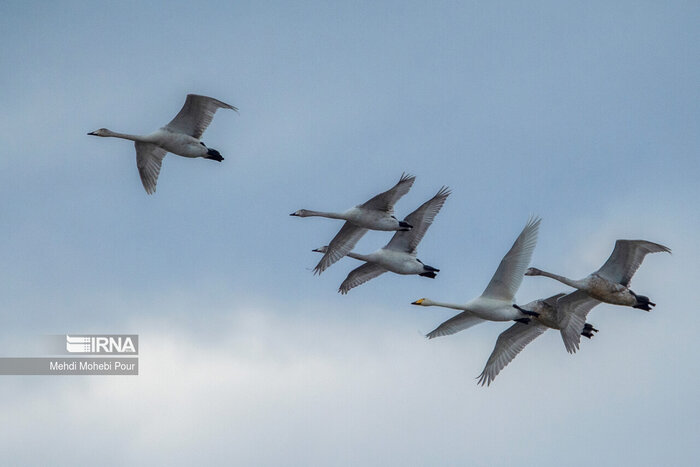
pixel 375 214
pixel 399 255
pixel 561 311
pixel 497 301
pixel 610 283
pixel 180 136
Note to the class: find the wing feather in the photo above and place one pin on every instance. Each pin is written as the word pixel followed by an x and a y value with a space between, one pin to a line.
pixel 457 323
pixel 572 310
pixel 626 258
pixel 385 201
pixel 344 241
pixel 149 158
pixel 420 219
pixel 360 275
pixel 508 345
pixel 509 275
pixel 196 115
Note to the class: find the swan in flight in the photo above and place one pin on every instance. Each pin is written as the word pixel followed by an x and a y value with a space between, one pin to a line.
pixel 497 301
pixel 610 283
pixel 180 136
pixel 561 311
pixel 375 214
pixel 399 255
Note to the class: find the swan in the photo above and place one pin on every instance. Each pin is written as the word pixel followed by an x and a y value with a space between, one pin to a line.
pixel 610 283
pixel 556 312
pixel 180 136
pixel 375 214
pixel 399 255
pixel 496 302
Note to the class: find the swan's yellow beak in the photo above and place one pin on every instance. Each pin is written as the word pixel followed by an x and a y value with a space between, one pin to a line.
pixel 418 302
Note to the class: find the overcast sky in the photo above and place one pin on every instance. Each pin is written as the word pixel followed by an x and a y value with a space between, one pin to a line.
pixel 585 113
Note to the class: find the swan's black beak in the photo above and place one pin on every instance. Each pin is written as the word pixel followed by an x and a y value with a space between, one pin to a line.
pixel 418 302
pixel 92 133
pixel 293 214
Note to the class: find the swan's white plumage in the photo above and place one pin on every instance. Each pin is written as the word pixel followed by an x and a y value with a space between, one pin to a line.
pixel 149 158
pixel 572 310
pixel 399 255
pixel 420 219
pixel 508 345
pixel 359 276
pixel 348 236
pixel 180 137
pixel 626 258
pixel 385 201
pixel 196 115
pixel 506 281
pixel 457 323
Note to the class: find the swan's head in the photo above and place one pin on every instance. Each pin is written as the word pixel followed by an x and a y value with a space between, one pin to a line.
pixel 423 302
pixel 300 213
pixel 533 272
pixel 101 132
pixel 323 249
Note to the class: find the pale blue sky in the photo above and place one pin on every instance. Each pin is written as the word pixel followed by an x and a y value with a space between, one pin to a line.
pixel 585 113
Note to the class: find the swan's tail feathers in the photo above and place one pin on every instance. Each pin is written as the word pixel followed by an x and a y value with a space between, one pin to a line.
pixel 588 330
pixel 643 302
pixel 214 155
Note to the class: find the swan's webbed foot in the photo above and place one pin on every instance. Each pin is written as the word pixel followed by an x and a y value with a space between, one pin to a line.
pixel 213 154
pixel 588 330
pixel 523 320
pixel 429 274
pixel 526 312
pixel 643 303
pixel 405 226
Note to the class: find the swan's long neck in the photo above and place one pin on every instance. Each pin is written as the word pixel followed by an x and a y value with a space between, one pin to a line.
pixel 563 280
pixel 331 215
pixel 139 138
pixel 454 306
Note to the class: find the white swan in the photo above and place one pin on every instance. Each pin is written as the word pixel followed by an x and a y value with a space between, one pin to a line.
pixel 375 214
pixel 496 303
pixel 560 311
pixel 399 255
pixel 180 136
pixel 610 283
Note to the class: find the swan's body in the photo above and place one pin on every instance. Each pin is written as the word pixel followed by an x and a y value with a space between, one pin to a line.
pixel 375 214
pixel 610 283
pixel 399 255
pixel 562 312
pixel 180 136
pixel 496 302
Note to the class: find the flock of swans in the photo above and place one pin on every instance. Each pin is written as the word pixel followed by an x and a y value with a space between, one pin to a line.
pixel 564 312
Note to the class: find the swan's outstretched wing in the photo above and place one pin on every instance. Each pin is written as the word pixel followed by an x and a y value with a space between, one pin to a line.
pixel 420 219
pixel 626 258
pixel 149 157
pixel 360 275
pixel 509 275
pixel 196 115
pixel 509 344
pixel 344 241
pixel 552 301
pixel 460 322
pixel 572 310
pixel 385 201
